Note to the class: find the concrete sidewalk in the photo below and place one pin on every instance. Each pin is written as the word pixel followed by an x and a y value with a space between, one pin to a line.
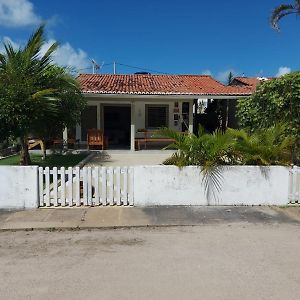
pixel 111 217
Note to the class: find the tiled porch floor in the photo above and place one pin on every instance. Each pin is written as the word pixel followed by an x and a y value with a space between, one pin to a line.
pixel 129 158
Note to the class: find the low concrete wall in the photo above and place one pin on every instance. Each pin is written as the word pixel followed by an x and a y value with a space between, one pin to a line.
pixel 18 187
pixel 241 185
pixel 166 185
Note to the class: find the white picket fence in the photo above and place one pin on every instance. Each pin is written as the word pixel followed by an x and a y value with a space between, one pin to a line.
pixel 294 185
pixel 89 186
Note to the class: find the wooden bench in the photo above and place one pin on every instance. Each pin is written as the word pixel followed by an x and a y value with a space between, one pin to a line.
pixel 141 141
pixel 148 139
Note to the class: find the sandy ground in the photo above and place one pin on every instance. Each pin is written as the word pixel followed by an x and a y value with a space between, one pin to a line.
pixel 228 261
pixel 129 158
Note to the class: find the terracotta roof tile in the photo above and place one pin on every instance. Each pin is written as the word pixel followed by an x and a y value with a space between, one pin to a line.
pixel 157 85
pixel 250 82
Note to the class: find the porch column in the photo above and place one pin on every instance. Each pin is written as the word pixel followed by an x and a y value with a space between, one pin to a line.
pixel 78 132
pixel 132 127
pixel 99 116
pixel 65 138
pixel 191 119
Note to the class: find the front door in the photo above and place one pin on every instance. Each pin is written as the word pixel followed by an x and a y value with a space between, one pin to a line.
pixel 117 126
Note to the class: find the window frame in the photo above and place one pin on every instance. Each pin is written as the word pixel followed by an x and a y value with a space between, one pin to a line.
pixel 166 106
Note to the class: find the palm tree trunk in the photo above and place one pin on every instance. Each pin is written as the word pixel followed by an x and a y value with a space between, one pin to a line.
pixel 25 158
pixel 43 147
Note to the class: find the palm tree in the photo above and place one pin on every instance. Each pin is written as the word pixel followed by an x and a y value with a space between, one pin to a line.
pixel 283 10
pixel 31 89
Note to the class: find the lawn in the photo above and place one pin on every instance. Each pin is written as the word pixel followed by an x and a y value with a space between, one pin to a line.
pixel 54 160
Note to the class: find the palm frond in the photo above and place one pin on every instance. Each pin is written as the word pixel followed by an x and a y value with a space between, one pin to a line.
pixel 282 11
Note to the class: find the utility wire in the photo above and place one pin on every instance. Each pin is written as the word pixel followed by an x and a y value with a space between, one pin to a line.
pixel 128 66
pixel 139 68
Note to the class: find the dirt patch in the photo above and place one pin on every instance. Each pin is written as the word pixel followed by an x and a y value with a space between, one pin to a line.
pixel 292 212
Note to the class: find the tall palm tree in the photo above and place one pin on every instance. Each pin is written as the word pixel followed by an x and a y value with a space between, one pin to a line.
pixel 31 89
pixel 283 10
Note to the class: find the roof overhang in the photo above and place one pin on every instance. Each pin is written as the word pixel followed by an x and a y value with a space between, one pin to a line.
pixel 163 96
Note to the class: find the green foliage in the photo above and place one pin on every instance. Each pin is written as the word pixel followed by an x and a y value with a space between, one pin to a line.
pixel 213 152
pixel 35 95
pixel 263 147
pixel 230 78
pixel 284 10
pixel 276 100
pixel 53 160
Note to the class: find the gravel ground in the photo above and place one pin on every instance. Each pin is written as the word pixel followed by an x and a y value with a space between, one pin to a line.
pixel 229 261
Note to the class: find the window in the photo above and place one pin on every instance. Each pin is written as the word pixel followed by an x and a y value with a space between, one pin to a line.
pixel 157 116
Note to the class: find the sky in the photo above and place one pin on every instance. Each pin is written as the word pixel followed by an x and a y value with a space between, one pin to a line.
pixel 173 37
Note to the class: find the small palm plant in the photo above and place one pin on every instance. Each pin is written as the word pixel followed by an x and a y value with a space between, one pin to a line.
pixel 213 152
pixel 264 147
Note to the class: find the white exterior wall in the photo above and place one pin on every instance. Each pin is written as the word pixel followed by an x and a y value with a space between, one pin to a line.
pixel 18 187
pixel 242 185
pixel 140 111
pixel 140 114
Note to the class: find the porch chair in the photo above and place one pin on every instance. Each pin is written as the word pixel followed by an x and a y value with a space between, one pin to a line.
pixel 32 143
pixel 95 137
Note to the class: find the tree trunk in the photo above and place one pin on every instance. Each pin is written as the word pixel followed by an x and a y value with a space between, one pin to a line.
pixel 43 149
pixel 25 158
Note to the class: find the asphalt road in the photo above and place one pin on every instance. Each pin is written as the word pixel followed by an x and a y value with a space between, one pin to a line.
pixel 214 261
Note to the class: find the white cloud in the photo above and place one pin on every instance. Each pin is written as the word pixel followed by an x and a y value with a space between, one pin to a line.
pixel 206 72
pixel 283 70
pixel 223 75
pixel 67 56
pixel 220 76
pixel 7 39
pixel 16 13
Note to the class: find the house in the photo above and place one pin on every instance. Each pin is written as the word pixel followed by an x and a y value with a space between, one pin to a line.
pixel 249 82
pixel 124 106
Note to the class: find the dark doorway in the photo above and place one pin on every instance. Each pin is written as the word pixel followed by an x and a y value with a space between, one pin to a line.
pixel 117 126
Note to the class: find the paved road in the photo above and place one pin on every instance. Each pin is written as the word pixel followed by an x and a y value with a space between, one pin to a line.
pixel 213 261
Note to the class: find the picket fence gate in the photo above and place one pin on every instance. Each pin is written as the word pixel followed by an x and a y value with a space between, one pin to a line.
pixel 294 185
pixel 88 186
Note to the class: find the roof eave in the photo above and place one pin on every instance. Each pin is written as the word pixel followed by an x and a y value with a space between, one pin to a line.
pixel 169 95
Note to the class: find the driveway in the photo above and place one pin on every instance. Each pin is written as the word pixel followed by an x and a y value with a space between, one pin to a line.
pixel 238 260
pixel 122 158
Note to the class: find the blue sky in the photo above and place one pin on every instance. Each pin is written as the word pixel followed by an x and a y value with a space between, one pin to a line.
pixel 181 37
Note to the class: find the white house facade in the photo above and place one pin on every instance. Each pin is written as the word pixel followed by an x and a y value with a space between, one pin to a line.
pixel 125 106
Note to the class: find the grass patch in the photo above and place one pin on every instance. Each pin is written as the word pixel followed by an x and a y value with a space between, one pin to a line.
pixel 53 160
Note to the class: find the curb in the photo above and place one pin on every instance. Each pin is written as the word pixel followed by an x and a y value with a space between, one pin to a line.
pixel 85 160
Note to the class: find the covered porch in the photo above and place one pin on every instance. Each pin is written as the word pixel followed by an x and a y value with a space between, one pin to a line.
pixel 130 122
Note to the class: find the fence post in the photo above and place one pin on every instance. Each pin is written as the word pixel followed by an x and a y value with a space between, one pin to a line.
pixel 41 186
pixel 63 186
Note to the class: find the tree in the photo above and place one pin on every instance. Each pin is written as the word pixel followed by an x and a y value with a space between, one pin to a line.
pixel 276 100
pixel 283 10
pixel 230 78
pixel 69 105
pixel 35 95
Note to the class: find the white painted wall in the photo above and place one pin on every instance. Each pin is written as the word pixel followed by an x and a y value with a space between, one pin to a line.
pixel 242 185
pixel 166 185
pixel 140 113
pixel 18 187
